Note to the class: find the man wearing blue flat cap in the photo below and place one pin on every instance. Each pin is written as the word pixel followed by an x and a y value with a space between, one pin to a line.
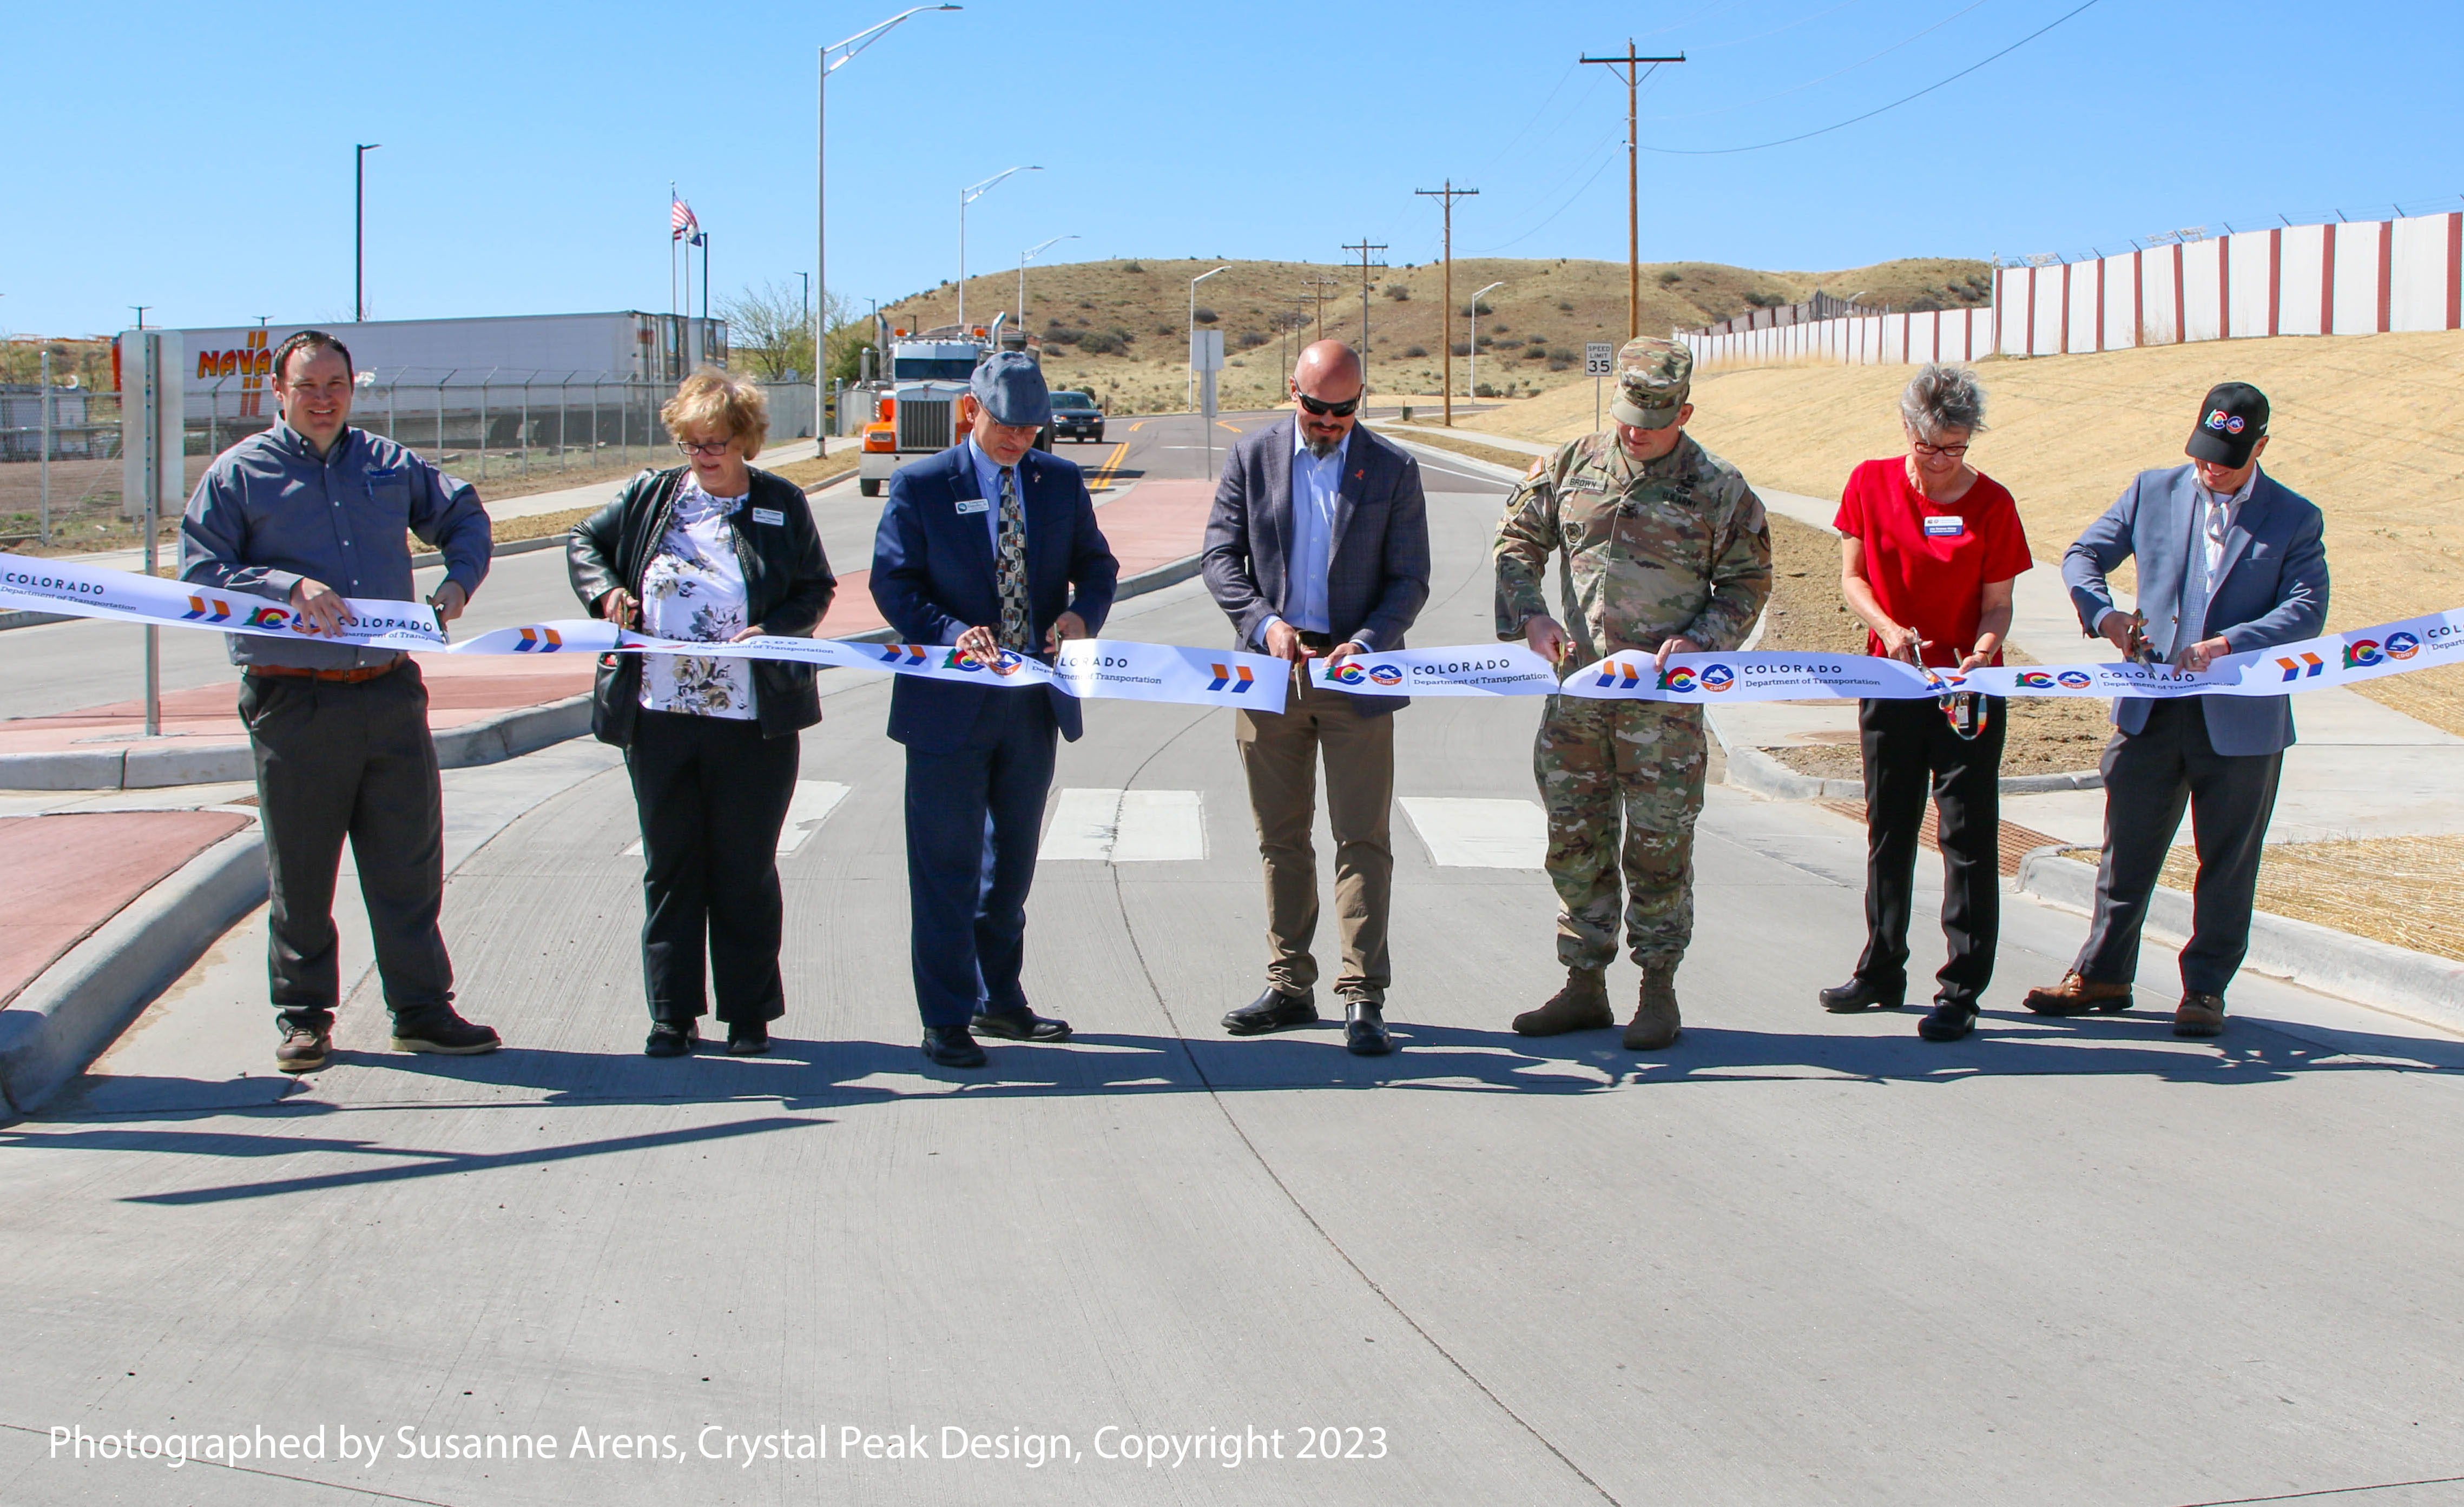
pixel 990 546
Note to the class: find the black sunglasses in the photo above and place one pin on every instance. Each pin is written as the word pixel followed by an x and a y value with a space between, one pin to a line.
pixel 1337 410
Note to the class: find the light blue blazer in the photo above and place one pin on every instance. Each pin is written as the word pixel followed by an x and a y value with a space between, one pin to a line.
pixel 2271 588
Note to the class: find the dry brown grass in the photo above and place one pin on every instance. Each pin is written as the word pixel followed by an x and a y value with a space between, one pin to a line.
pixel 1425 431
pixel 2345 884
pixel 2372 426
pixel 1148 300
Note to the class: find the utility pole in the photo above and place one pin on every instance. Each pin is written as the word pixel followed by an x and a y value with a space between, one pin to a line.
pixel 1288 323
pixel 1628 67
pixel 359 230
pixel 1446 196
pixel 1364 248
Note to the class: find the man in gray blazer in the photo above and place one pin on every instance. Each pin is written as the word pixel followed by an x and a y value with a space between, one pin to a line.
pixel 1319 546
pixel 2229 560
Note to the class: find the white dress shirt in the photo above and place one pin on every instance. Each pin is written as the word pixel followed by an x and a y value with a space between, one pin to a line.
pixel 1317 481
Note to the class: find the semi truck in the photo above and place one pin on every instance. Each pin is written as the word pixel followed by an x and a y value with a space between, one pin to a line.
pixel 916 411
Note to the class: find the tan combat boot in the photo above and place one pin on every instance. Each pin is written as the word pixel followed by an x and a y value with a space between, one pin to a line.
pixel 1583 1005
pixel 1655 1024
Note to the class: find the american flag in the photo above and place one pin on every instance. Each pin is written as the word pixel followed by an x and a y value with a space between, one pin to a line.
pixel 680 219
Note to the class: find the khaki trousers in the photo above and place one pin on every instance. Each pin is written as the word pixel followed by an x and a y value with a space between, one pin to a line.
pixel 1280 754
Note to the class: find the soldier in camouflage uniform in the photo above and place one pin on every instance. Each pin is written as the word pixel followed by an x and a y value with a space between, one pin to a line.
pixel 1663 548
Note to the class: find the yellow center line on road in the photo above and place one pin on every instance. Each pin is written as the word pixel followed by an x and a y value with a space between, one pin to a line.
pixel 1103 476
pixel 1136 427
pixel 1234 427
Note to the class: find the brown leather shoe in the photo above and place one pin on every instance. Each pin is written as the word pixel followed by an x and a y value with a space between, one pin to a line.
pixel 2200 1016
pixel 303 1049
pixel 1655 1023
pixel 2075 996
pixel 1583 1005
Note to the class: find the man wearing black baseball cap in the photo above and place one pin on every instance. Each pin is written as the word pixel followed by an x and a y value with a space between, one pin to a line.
pixel 2230 560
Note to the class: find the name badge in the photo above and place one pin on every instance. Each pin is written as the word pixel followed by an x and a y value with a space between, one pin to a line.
pixel 967 505
pixel 768 516
pixel 1944 525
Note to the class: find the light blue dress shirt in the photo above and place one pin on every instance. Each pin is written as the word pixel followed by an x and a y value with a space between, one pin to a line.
pixel 1316 484
pixel 988 487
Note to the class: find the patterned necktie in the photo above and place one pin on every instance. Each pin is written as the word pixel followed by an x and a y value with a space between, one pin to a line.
pixel 1010 572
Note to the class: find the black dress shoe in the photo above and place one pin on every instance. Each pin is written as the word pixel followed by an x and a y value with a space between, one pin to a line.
pixel 1364 1030
pixel 1859 995
pixel 952 1046
pixel 669 1039
pixel 747 1037
pixel 1949 1020
pixel 1272 1011
pixel 1020 1025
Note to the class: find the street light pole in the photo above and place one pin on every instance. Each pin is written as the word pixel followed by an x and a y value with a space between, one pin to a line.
pixel 1190 400
pixel 359 230
pixel 1471 384
pixel 846 51
pixel 1023 257
pixel 966 197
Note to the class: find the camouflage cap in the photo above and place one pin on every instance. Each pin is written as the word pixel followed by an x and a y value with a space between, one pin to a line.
pixel 1652 379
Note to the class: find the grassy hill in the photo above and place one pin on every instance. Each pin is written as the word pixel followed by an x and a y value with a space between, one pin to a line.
pixel 2368 426
pixel 1117 328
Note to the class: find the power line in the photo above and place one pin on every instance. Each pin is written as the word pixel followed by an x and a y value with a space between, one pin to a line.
pixel 1747 104
pixel 1807 136
pixel 1628 66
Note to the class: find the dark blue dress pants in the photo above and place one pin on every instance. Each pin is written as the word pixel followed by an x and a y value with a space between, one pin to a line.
pixel 975 818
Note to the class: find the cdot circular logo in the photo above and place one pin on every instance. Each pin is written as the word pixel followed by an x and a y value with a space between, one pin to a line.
pixel 2075 679
pixel 2401 645
pixel 1719 677
pixel 1385 674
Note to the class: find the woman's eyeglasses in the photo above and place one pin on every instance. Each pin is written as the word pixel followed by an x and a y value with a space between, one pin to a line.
pixel 1954 451
pixel 1337 411
pixel 713 449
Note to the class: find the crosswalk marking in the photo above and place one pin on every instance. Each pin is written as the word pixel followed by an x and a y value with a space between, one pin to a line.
pixel 1479 834
pixel 1126 826
pixel 807 809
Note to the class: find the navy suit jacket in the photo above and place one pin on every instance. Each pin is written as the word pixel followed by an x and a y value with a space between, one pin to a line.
pixel 932 579
pixel 2271 588
pixel 1378 569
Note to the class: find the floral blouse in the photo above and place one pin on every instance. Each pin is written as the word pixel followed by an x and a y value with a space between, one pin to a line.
pixel 695 589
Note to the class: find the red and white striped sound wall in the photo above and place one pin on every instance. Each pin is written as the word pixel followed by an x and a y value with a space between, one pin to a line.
pixel 2359 278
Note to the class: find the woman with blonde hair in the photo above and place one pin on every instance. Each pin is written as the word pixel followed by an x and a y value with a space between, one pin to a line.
pixel 1930 549
pixel 712 550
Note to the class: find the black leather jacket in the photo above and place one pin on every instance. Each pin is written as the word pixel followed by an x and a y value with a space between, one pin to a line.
pixel 787 588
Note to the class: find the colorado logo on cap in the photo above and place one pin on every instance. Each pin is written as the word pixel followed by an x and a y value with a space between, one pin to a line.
pixel 2216 419
pixel 2233 424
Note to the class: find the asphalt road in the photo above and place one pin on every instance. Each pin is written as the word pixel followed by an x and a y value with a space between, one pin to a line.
pixel 1795 1260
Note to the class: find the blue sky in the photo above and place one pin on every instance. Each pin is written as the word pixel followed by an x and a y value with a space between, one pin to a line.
pixel 197 157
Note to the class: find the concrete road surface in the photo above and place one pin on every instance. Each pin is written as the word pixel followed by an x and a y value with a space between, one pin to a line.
pixel 1795 1260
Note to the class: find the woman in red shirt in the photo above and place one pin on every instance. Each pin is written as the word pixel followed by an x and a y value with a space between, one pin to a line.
pixel 1930 549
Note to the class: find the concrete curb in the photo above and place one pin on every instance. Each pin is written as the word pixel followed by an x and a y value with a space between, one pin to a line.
pixel 545 541
pixel 30 619
pixel 2314 956
pixel 78 1006
pixel 491 740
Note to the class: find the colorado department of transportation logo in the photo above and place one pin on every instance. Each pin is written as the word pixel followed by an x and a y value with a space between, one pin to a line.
pixel 1385 674
pixel 2362 653
pixel 1679 679
pixel 1718 677
pixel 2036 680
pixel 1348 673
pixel 2075 679
pixel 1005 663
pixel 2400 647
pixel 268 618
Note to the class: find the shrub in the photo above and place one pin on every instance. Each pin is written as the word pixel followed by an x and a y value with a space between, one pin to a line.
pixel 1923 304
pixel 1063 335
pixel 1536 353
pixel 1765 300
pixel 1462 347
pixel 1565 306
pixel 1098 342
pixel 1167 329
pixel 1250 339
pixel 1671 279
pixel 1414 352
pixel 1485 390
pixel 1510 344
pixel 1558 364
pixel 1132 267
pixel 1467 310
pixel 1086 303
pixel 1203 314
pixel 1399 292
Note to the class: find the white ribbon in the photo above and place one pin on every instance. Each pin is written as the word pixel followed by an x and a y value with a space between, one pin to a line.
pixel 1119 670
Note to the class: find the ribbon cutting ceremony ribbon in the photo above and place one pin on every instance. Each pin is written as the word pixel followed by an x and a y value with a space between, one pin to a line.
pixel 1162 672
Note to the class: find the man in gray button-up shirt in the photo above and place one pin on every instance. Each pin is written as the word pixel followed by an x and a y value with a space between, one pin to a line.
pixel 310 513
